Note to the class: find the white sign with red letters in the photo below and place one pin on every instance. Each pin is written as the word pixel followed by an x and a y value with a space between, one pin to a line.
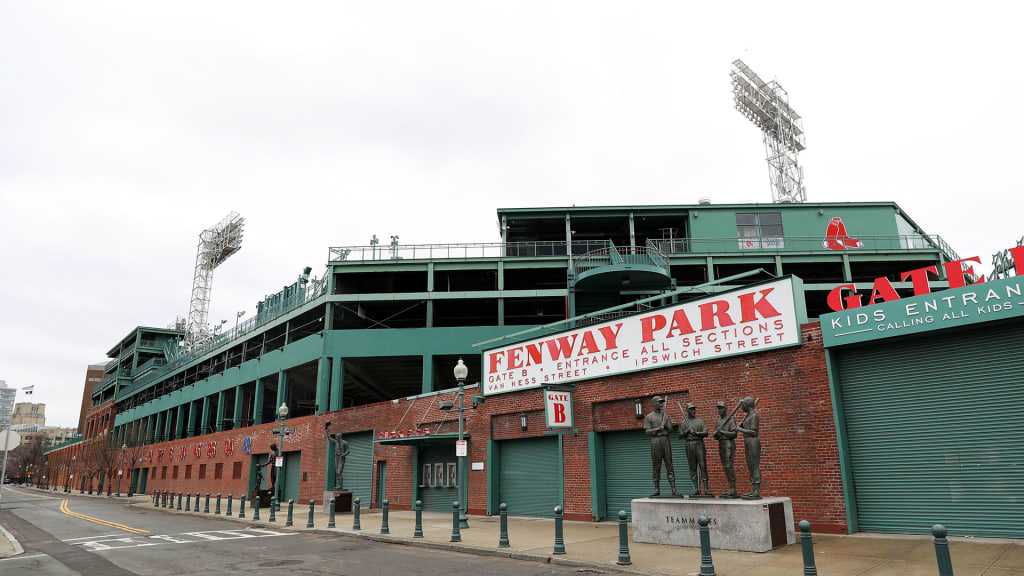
pixel 752 319
pixel 558 409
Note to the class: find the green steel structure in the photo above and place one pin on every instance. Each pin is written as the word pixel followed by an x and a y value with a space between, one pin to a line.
pixel 389 322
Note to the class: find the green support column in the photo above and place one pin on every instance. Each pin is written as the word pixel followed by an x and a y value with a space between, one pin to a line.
pixel 157 431
pixel 282 390
pixel 428 375
pixel 220 411
pixel 430 313
pixel 337 378
pixel 167 426
pixel 204 424
pixel 257 404
pixel 323 384
pixel 179 424
pixel 191 430
pixel 239 393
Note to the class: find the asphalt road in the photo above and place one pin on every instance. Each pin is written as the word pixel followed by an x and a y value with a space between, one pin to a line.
pixel 65 534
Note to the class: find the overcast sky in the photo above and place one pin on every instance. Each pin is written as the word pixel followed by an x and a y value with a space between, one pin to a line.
pixel 127 128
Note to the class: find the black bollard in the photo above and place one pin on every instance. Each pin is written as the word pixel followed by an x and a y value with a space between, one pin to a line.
pixel 559 540
pixel 503 534
pixel 188 502
pixel 309 522
pixel 456 536
pixel 179 501
pixel 330 514
pixel 384 518
pixel 355 515
pixel 196 509
pixel 291 505
pixel 217 510
pixel 241 506
pixel 256 508
pixel 417 530
pixel 942 550
pixel 206 504
pixel 164 505
pixel 273 506
pixel 707 568
pixel 230 498
pixel 624 559
pixel 808 548
pixel 156 500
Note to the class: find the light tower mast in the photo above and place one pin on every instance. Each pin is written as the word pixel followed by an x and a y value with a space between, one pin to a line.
pixel 766 104
pixel 216 244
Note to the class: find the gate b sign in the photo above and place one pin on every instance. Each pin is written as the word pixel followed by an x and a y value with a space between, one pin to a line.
pixel 558 409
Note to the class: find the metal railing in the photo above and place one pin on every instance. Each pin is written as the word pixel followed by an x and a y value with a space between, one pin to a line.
pixel 127 350
pixel 462 251
pixel 616 255
pixel 897 243
pixel 147 366
pixel 111 365
pixel 73 440
pixel 312 291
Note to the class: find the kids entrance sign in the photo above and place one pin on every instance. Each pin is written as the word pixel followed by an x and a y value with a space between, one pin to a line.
pixel 752 319
pixel 981 302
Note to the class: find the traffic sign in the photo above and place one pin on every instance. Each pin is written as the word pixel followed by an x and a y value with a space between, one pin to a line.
pixel 9 440
pixel 286 431
pixel 461 448
pixel 279 461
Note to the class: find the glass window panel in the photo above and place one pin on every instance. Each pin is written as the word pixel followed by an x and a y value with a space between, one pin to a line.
pixel 770 218
pixel 746 218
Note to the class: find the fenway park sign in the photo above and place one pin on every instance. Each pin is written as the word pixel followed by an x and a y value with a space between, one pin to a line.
pixel 752 319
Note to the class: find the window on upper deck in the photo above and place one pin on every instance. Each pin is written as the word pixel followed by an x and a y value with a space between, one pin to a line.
pixel 759 230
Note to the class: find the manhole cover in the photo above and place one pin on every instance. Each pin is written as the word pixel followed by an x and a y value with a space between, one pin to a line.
pixel 278 563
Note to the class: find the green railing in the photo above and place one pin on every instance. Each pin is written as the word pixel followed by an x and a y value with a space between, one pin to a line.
pixel 312 292
pixel 73 440
pixel 614 255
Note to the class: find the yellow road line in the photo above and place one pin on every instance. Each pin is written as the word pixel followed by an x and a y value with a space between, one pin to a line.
pixel 29 494
pixel 64 509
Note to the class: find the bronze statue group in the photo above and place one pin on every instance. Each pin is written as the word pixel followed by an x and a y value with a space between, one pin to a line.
pixel 658 426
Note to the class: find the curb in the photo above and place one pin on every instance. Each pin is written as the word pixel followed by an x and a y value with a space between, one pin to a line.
pixel 14 542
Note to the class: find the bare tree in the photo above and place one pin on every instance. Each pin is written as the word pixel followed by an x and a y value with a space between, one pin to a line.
pixel 26 460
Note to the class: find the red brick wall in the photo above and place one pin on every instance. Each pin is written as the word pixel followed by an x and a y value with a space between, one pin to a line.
pixel 800 457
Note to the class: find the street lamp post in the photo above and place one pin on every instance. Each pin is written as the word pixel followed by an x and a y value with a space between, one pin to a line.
pixel 120 470
pixel 461 371
pixel 282 413
pixel 71 476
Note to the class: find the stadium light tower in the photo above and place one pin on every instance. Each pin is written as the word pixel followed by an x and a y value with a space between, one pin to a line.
pixel 216 244
pixel 766 104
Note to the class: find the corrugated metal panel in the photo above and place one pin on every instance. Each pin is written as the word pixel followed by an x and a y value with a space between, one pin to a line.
pixel 529 476
pixel 627 470
pixel 358 473
pixel 437 498
pixel 934 434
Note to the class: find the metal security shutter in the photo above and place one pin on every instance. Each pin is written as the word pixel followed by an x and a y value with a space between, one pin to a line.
pixel 627 470
pixel 358 472
pixel 437 498
pixel 932 433
pixel 529 476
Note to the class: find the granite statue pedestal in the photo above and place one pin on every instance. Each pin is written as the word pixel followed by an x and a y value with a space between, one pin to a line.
pixel 342 501
pixel 747 525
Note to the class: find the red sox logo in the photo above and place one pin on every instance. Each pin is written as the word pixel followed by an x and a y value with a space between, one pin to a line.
pixel 836 238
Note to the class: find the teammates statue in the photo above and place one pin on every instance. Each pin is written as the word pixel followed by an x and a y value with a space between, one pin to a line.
pixel 693 430
pixel 340 453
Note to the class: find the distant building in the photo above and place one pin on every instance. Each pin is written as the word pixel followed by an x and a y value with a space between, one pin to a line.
pixel 93 376
pixel 6 403
pixel 29 413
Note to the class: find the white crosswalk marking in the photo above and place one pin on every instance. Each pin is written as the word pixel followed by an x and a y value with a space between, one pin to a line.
pixel 103 543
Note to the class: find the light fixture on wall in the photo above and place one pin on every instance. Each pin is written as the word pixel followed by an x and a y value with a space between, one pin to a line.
pixel 522 421
pixel 638 407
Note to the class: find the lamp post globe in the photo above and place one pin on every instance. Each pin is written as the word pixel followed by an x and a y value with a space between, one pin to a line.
pixel 460 372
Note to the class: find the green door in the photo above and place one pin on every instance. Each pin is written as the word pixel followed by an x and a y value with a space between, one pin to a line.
pixel 627 469
pixel 291 476
pixel 931 432
pixel 437 493
pixel 382 475
pixel 358 472
pixel 530 476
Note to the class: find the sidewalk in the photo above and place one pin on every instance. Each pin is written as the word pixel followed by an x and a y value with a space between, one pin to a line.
pixel 596 544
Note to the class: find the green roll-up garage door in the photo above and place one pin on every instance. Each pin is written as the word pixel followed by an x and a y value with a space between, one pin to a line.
pixel 437 495
pixel 627 470
pixel 933 432
pixel 358 473
pixel 530 477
